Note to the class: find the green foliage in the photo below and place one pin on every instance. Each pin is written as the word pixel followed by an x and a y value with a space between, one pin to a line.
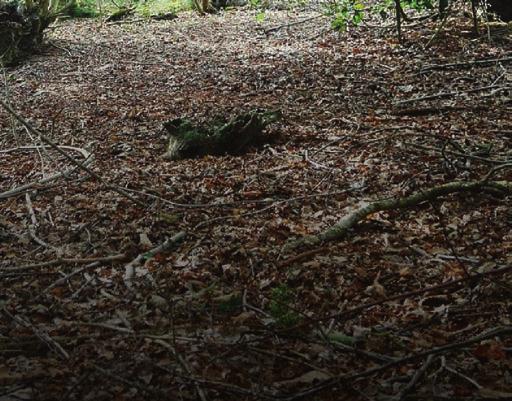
pixel 345 12
pixel 260 17
pixel 82 9
pixel 352 12
pixel 282 297
pixel 418 5
pixel 155 7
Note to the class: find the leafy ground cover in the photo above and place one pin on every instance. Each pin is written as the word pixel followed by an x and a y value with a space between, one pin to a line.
pixel 413 304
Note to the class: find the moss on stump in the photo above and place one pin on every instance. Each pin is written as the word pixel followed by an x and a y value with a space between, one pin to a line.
pixel 187 140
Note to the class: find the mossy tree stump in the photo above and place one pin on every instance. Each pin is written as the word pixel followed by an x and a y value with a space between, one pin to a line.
pixel 187 140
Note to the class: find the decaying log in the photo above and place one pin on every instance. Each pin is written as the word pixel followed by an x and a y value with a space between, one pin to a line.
pixel 187 140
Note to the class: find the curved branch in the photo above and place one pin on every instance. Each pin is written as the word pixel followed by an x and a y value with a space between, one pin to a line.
pixel 345 224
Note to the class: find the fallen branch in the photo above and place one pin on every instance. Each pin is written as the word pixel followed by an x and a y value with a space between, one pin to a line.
pixel 328 383
pixel 455 153
pixel 277 28
pixel 186 367
pixel 163 247
pixel 342 228
pixel 465 64
pixel 415 379
pixel 60 261
pixel 41 334
pixel 345 315
pixel 88 159
pixel 450 94
pixel 34 224
pixel 81 166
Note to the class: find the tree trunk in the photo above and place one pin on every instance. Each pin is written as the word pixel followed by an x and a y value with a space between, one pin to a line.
pixel 21 31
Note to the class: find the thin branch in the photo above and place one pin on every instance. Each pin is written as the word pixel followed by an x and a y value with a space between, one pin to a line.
pixel 277 28
pixel 331 382
pixel 59 261
pixel 450 94
pixel 88 159
pixel 41 334
pixel 81 166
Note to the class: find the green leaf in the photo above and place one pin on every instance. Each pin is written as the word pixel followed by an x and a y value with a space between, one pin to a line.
pixel 260 17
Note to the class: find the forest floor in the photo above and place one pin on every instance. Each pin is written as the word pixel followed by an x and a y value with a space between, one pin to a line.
pixel 413 304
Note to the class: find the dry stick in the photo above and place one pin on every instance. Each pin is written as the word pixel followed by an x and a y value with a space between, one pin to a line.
pixel 345 315
pixel 88 159
pixel 81 166
pixel 184 365
pixel 131 383
pixel 295 361
pixel 32 227
pixel 62 280
pixel 455 153
pixel 450 94
pixel 276 28
pixel 466 64
pixel 55 262
pixel 273 205
pixel 303 255
pixel 134 333
pixel 42 335
pixel 328 383
pixel 415 379
pixel 164 246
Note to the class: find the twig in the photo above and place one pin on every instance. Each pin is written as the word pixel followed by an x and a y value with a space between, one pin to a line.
pixel 55 262
pixel 32 227
pixel 81 166
pixel 277 28
pixel 163 247
pixel 455 153
pixel 465 64
pixel 344 315
pixel 88 159
pixel 125 330
pixel 450 94
pixel 126 21
pixel 342 228
pixel 42 335
pixel 62 280
pixel 273 205
pixel 328 383
pixel 415 379
pixel 303 255
pixel 185 366
pixel 129 383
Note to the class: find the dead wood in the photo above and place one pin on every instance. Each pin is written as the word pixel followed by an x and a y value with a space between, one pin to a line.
pixel 78 164
pixel 187 140
pixel 343 227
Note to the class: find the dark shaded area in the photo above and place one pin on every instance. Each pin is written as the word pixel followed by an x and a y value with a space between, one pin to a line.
pixel 502 8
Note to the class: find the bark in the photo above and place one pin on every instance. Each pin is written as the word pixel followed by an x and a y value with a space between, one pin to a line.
pixel 21 31
pixel 187 140
pixel 341 229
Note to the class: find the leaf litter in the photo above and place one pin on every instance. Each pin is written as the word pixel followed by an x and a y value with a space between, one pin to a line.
pixel 226 312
